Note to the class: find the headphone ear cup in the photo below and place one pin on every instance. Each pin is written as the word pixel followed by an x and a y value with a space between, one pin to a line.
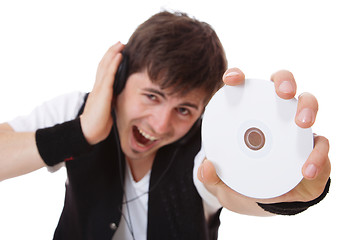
pixel 121 75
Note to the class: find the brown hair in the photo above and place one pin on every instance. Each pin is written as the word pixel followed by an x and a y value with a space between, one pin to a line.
pixel 179 53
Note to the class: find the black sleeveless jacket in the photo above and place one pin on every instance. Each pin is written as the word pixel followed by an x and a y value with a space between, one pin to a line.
pixel 94 192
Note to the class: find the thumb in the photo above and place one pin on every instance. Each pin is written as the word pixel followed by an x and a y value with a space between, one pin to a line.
pixel 207 173
pixel 233 77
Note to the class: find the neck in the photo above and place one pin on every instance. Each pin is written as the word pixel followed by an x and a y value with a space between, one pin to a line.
pixel 140 167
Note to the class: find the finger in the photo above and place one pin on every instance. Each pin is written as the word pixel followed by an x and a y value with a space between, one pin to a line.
pixel 116 48
pixel 307 109
pixel 110 54
pixel 113 52
pixel 207 173
pixel 318 161
pixel 114 64
pixel 233 77
pixel 108 66
pixel 285 84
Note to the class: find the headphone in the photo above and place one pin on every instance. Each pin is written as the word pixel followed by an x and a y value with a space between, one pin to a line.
pixel 119 84
pixel 121 75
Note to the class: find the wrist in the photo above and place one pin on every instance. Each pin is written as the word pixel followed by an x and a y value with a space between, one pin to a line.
pixel 62 142
pixel 90 138
pixel 95 128
pixel 292 208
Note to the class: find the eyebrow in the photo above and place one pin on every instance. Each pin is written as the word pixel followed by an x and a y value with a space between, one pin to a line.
pixel 162 94
pixel 156 92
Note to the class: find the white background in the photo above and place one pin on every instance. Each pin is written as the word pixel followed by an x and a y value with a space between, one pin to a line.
pixel 48 48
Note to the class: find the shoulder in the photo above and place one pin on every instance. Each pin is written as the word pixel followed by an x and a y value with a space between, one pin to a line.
pixel 57 110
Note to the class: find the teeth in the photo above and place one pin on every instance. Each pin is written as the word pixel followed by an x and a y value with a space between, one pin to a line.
pixel 151 138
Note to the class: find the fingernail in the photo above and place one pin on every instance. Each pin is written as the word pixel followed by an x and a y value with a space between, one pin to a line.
pixel 306 116
pixel 231 74
pixel 286 87
pixel 310 171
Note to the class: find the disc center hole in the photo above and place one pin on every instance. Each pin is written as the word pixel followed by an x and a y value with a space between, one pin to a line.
pixel 254 138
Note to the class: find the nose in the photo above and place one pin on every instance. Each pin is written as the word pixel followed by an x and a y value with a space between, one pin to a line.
pixel 161 120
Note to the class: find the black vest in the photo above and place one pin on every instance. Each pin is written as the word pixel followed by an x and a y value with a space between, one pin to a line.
pixel 94 195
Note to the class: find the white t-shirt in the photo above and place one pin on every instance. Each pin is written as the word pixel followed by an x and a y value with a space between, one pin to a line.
pixel 133 224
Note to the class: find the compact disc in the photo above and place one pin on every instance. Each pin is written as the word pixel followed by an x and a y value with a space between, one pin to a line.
pixel 250 135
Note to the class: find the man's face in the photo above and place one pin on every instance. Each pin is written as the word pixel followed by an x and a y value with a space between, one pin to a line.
pixel 149 118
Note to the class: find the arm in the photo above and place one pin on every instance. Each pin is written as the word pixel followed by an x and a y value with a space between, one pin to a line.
pixel 316 170
pixel 19 154
pixel 18 151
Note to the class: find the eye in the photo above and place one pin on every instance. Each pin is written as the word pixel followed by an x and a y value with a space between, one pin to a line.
pixel 183 111
pixel 151 97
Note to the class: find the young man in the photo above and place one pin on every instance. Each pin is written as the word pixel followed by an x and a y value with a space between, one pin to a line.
pixel 146 177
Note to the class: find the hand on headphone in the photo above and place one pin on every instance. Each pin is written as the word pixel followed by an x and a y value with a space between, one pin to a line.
pixel 96 120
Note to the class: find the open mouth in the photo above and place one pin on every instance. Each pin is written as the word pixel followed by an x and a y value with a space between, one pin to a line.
pixel 142 138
